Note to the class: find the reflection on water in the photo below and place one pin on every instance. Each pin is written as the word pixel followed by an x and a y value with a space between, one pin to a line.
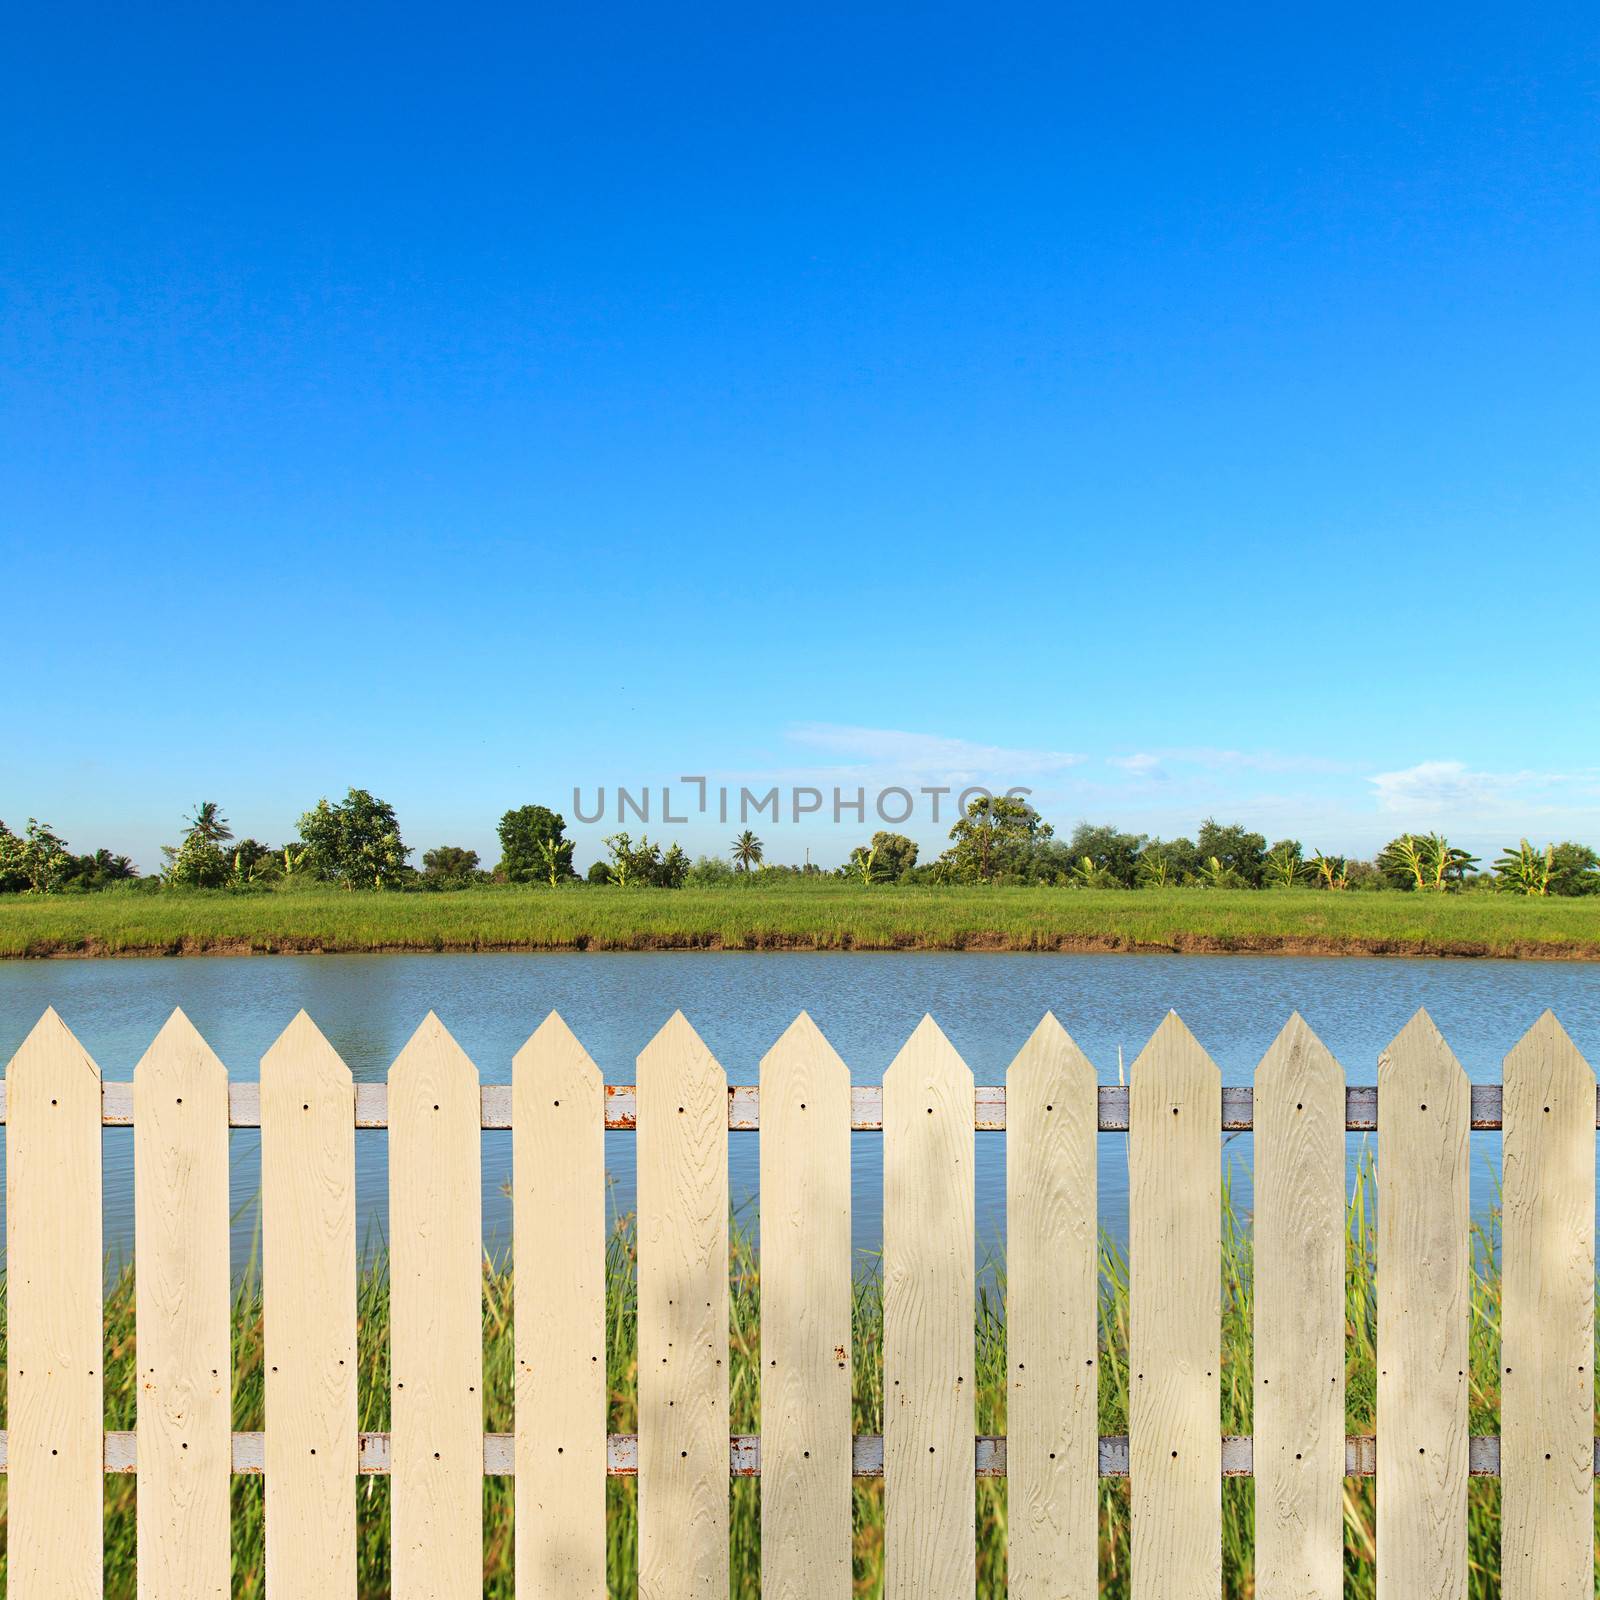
pixel 867 1005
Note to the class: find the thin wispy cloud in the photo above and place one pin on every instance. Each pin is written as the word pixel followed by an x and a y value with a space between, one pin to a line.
pixel 1146 764
pixel 1155 764
pixel 929 754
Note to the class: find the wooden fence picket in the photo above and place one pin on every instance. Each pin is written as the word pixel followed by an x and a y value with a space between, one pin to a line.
pixel 54 1340
pixel 436 1456
pixel 929 1305
pixel 181 1290
pixel 1547 1324
pixel 805 1319
pixel 683 1318
pixel 1175 1326
pixel 558 1232
pixel 1424 1269
pixel 436 1319
pixel 308 1226
pixel 1052 1435
pixel 1299 1319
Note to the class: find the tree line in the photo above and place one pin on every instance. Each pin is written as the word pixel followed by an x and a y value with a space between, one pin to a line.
pixel 356 843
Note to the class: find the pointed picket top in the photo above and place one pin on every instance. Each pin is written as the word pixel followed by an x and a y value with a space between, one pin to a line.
pixel 1418 1056
pixel 1172 1045
pixel 926 1056
pixel 1544 1063
pixel 1296 1053
pixel 805 1044
pixel 52 1045
pixel 302 1048
pixel 1547 1039
pixel 676 1033
pixel 554 1049
pixel 179 1051
pixel 1050 1056
pixel 431 1054
pixel 678 1051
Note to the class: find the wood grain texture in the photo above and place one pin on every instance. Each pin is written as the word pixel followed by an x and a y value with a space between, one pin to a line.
pixel 929 1293
pixel 805 1319
pixel 1424 1265
pixel 683 1318
pixel 1175 1329
pixel 308 1224
pixel 1052 1437
pixel 53 1350
pixel 1299 1319
pixel 559 1228
pixel 1547 1326
pixel 436 1319
pixel 181 1291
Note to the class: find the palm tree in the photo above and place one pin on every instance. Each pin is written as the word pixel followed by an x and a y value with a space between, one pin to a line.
pixel 208 823
pixel 747 851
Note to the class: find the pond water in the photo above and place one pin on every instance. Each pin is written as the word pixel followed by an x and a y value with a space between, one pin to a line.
pixel 867 1005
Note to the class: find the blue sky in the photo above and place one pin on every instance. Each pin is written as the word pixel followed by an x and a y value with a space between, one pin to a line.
pixel 1173 411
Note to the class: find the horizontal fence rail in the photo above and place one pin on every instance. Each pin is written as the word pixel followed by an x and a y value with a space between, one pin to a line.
pixel 744 1455
pixel 1175 1113
pixel 371 1107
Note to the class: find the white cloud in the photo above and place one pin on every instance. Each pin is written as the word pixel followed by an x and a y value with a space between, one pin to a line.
pixel 1454 788
pixel 892 749
pixel 1142 765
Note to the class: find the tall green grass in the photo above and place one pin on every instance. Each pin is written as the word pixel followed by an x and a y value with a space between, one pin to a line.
pixel 744 1341
pixel 825 914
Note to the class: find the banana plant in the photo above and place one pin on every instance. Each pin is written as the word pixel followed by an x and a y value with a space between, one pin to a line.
pixel 864 860
pixel 1084 874
pixel 1447 863
pixel 551 851
pixel 1526 870
pixel 1283 868
pixel 1405 858
pixel 1155 870
pixel 1429 860
pixel 1332 872
pixel 620 867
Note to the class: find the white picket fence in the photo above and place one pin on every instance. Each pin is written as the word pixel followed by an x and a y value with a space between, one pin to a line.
pixel 181 1106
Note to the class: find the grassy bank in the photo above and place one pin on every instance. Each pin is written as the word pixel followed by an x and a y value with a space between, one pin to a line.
pixel 825 915
pixel 744 1342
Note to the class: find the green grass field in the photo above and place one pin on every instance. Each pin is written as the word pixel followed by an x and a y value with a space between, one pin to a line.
pixel 827 914
pixel 745 1351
